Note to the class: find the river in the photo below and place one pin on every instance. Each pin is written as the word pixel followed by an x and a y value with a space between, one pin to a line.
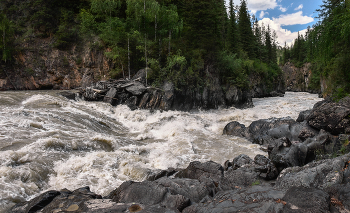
pixel 48 142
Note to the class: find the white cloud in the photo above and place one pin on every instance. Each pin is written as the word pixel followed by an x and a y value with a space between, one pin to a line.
pixel 262 14
pixel 283 35
pixel 282 9
pixel 293 19
pixel 256 5
pixel 299 7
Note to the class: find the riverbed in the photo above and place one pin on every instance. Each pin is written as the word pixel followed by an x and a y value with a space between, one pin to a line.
pixel 49 142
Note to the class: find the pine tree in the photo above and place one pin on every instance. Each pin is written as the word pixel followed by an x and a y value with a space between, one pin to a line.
pixel 232 30
pixel 246 36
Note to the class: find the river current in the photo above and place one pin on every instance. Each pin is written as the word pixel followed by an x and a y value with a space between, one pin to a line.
pixel 48 142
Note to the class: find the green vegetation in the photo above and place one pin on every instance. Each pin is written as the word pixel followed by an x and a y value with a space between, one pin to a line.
pixel 185 41
pixel 326 46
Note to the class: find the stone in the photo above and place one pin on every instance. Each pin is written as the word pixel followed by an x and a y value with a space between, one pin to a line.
pixel 252 199
pixel 319 174
pixel 137 88
pixel 111 97
pixel 235 129
pixel 332 117
pixel 302 199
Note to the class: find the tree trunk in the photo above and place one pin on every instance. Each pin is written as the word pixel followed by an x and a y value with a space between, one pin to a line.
pixel 169 40
pixel 129 55
pixel 155 28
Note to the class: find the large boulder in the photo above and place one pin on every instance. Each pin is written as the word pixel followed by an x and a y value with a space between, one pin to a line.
pixel 136 88
pixel 252 199
pixel 318 174
pixel 331 116
pixel 302 199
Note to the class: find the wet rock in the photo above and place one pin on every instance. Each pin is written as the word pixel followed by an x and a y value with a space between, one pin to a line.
pixel 235 129
pixel 111 96
pixel 303 115
pixel 332 117
pixel 36 204
pixel 148 193
pixel 137 88
pixel 189 188
pixel 302 199
pixel 132 102
pixel 62 201
pixel 340 197
pixel 162 173
pixel 69 95
pixel 284 156
pixel 241 160
pixel 265 167
pixel 319 174
pixel 108 206
pixel 209 171
pixel 168 96
pixel 252 199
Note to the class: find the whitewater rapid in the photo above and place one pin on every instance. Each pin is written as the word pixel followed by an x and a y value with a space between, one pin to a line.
pixel 48 142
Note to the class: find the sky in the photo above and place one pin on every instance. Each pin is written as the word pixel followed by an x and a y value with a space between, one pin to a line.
pixel 286 17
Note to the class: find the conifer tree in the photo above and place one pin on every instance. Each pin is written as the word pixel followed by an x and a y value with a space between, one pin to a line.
pixel 246 36
pixel 232 30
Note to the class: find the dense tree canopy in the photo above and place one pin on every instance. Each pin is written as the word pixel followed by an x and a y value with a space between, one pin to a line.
pixel 327 46
pixel 181 40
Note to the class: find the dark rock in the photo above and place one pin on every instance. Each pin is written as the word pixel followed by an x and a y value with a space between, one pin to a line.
pixel 242 177
pixel 319 174
pixel 141 75
pixel 108 206
pixel 64 200
pixel 162 173
pixel 283 156
pixel 340 197
pixel 137 88
pixel 132 103
pixel 189 188
pixel 68 95
pixel 111 96
pixel 241 160
pixel 151 193
pixel 307 132
pixel 252 199
pixel 303 115
pixel 246 172
pixel 301 199
pixel 168 96
pixel 235 129
pixel 144 101
pixel 36 204
pixel 265 167
pixel 332 117
pixel 203 171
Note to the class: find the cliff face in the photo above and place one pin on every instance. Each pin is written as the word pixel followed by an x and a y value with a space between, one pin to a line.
pixel 298 79
pixel 37 65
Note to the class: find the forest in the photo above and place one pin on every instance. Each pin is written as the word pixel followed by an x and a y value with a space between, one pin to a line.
pixel 327 46
pixel 183 41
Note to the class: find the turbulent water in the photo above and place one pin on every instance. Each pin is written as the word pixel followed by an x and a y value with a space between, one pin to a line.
pixel 49 142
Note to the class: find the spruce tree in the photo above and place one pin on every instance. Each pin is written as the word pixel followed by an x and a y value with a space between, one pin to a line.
pixel 246 35
pixel 232 31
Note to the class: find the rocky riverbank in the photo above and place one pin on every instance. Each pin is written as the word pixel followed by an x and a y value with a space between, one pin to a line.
pixel 135 94
pixel 306 171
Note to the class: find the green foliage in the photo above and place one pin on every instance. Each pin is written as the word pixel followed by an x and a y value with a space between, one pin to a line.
pixel 327 47
pixel 7 38
pixel 257 182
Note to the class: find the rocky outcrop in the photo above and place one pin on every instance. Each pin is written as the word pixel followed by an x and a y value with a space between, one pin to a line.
pixel 317 133
pixel 247 185
pixel 39 66
pixel 135 94
pixel 296 79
